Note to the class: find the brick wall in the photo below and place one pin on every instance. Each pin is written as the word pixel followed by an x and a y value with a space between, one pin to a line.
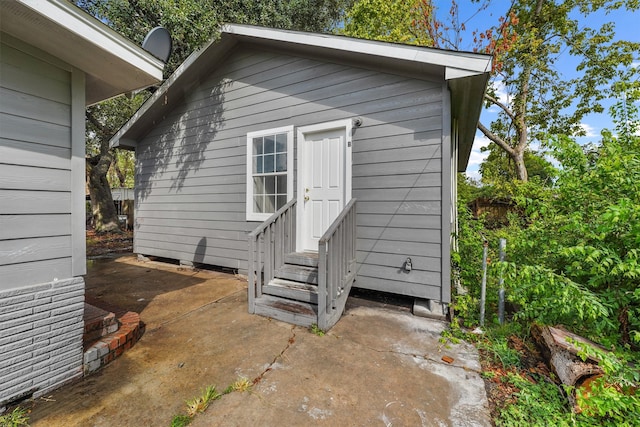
pixel 41 330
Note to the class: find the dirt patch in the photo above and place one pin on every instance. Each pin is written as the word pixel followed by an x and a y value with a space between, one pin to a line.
pixel 108 243
pixel 500 392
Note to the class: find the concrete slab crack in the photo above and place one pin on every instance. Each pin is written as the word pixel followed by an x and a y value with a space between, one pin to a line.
pixel 290 341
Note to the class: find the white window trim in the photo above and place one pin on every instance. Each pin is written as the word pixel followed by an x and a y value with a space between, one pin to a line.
pixel 257 216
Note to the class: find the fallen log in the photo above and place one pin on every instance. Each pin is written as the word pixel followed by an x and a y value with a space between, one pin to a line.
pixel 558 348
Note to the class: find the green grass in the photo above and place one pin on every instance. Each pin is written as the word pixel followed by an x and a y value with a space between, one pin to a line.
pixel 16 418
pixel 316 330
pixel 200 404
pixel 181 421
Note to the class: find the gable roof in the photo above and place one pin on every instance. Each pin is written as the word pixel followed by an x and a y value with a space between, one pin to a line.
pixel 466 73
pixel 112 63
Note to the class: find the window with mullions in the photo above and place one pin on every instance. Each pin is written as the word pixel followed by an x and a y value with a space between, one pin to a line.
pixel 269 171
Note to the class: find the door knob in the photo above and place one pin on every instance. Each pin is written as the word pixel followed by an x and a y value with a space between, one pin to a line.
pixel 306 198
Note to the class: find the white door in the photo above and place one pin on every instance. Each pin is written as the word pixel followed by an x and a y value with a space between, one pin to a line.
pixel 324 164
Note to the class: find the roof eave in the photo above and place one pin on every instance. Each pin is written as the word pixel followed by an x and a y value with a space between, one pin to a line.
pixel 112 63
pixel 457 67
pixel 471 62
pixel 171 91
pixel 467 94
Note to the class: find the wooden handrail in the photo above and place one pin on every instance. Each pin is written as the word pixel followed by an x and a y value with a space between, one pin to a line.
pixel 334 225
pixel 272 218
pixel 336 266
pixel 268 245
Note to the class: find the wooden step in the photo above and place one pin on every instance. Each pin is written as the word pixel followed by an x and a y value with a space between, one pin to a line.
pixel 309 259
pixel 295 312
pixel 297 291
pixel 298 273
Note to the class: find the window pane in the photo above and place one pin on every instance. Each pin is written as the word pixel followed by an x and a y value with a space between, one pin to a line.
pixel 269 144
pixel 282 200
pixel 282 184
pixel 281 162
pixel 281 143
pixel 257 164
pixel 269 203
pixel 258 204
pixel 258 185
pixel 270 184
pixel 257 146
pixel 269 165
pixel 269 168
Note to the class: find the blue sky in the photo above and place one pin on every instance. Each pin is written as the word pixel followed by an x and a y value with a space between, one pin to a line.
pixel 626 24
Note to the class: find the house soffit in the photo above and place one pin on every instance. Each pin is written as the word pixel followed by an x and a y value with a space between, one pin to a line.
pixel 112 63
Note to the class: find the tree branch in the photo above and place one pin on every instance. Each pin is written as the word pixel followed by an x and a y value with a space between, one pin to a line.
pixel 105 134
pixel 495 138
pixel 503 107
pixel 99 126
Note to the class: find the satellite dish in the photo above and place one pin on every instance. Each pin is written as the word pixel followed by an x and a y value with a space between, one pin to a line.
pixel 158 43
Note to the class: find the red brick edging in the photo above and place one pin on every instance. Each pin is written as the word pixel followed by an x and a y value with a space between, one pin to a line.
pixel 113 345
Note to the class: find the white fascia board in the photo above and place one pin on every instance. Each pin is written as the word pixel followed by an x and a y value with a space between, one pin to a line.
pixel 472 62
pixel 75 21
pixel 451 73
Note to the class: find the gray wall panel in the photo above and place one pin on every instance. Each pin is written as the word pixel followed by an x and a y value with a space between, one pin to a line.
pixel 191 169
pixel 39 155
pixel 26 226
pixel 35 169
pixel 17 177
pixel 18 275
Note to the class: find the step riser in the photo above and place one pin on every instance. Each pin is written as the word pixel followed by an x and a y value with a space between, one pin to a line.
pixel 295 312
pixel 294 294
pixel 303 259
pixel 298 274
pixel 285 316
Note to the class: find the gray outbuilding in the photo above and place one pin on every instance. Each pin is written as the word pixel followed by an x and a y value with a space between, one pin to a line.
pixel 54 61
pixel 336 157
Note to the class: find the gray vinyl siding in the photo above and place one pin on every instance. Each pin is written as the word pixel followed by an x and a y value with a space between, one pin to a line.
pixel 41 303
pixel 190 177
pixel 35 170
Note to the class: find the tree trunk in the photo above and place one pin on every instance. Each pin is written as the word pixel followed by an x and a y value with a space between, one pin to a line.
pixel 102 207
pixel 561 354
pixel 625 330
pixel 521 169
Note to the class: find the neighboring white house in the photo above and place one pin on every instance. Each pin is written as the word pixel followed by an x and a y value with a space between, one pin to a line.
pixel 54 61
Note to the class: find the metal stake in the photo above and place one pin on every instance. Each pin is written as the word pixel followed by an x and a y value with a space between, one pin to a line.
pixel 483 289
pixel 503 245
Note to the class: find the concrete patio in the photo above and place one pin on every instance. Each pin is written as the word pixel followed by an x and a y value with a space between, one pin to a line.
pixel 380 365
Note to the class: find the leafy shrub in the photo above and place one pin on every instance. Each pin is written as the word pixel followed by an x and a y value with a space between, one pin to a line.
pixel 537 403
